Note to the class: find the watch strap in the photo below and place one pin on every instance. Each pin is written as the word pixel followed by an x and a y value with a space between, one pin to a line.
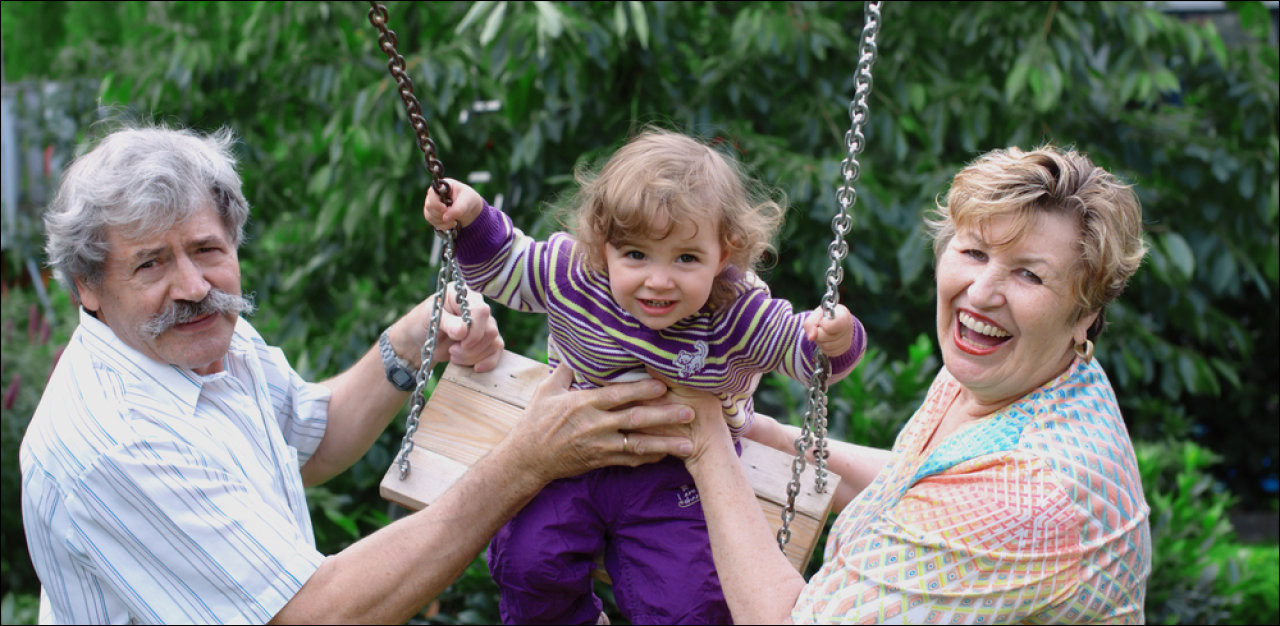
pixel 399 371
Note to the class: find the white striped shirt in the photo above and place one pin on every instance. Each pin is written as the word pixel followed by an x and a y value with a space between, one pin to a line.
pixel 152 494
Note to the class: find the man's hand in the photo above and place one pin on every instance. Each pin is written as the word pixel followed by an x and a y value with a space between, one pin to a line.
pixel 566 432
pixel 479 345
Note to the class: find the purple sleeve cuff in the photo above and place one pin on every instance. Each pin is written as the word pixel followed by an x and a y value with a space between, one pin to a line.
pixel 845 362
pixel 478 241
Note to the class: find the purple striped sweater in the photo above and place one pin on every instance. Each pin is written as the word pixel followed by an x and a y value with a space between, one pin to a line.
pixel 724 351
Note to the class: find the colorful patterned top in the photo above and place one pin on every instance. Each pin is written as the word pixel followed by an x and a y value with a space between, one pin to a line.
pixel 1034 514
pixel 723 351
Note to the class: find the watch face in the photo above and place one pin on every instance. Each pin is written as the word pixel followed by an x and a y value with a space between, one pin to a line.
pixel 402 379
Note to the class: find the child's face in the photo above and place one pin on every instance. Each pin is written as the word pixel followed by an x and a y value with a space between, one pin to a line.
pixel 661 281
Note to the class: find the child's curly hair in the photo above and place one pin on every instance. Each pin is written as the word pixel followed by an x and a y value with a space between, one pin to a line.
pixel 663 177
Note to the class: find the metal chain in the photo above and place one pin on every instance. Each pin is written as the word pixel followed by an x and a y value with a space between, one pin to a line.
pixel 814 427
pixel 449 264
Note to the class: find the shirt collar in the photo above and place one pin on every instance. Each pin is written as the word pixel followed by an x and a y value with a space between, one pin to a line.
pixel 182 385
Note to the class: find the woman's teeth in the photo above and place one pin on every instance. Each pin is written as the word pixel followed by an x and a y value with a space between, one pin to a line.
pixel 981 328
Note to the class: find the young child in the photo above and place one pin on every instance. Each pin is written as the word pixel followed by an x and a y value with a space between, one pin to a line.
pixel 657 272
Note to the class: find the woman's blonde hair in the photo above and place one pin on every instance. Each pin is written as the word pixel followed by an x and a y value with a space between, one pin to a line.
pixel 1047 180
pixel 666 178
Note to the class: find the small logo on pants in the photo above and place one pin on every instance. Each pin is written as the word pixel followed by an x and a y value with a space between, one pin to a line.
pixel 687 496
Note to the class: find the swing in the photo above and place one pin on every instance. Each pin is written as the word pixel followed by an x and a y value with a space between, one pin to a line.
pixel 469 413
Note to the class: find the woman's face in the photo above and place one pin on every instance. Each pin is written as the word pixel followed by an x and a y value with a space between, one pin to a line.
pixel 1004 315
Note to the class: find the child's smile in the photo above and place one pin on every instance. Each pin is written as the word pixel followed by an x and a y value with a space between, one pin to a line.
pixel 662 281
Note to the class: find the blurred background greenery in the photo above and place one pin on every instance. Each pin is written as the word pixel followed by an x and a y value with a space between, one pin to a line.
pixel 1179 98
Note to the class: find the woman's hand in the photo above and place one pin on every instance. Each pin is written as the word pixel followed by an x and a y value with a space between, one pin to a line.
pixel 707 432
pixel 466 206
pixel 759 583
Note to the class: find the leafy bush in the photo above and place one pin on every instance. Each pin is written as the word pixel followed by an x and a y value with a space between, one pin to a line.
pixel 32 343
pixel 337 248
pixel 1200 573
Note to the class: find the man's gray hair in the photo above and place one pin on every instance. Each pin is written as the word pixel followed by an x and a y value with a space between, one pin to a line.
pixel 144 181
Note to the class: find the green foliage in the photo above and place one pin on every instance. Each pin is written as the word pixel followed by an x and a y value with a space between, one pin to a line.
pixel 337 248
pixel 20 608
pixel 1200 573
pixel 32 343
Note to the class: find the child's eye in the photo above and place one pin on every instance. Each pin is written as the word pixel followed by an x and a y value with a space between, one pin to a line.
pixel 634 255
pixel 688 258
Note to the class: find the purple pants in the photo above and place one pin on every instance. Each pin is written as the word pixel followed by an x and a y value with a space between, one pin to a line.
pixel 648 522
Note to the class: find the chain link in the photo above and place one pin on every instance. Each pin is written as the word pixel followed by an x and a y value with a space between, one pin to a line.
pixel 449 264
pixel 813 429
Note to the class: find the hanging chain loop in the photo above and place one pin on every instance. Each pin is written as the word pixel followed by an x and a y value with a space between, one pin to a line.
pixel 813 430
pixel 448 262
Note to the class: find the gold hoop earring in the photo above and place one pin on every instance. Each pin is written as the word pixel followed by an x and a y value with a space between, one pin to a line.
pixel 1084 350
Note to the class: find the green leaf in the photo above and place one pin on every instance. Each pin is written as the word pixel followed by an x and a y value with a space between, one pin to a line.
pixel 1188 372
pixel 641 22
pixel 550 20
pixel 1226 277
pixel 619 20
pixel 1180 254
pixel 1216 45
pixel 493 24
pixel 1016 81
pixel 320 180
pixel 473 14
pixel 913 256
pixel 1051 90
pixel 917 96
pixel 1254 18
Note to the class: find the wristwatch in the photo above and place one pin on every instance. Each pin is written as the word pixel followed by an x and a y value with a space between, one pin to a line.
pixel 399 372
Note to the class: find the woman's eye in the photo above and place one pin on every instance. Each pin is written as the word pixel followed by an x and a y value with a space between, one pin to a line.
pixel 976 255
pixel 1031 276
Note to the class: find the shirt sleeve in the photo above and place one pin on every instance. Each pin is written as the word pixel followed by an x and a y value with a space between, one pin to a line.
pixel 507 265
pixel 181 538
pixel 993 540
pixel 301 407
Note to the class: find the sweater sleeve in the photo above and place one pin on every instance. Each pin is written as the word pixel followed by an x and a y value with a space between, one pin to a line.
pixel 507 265
pixel 769 335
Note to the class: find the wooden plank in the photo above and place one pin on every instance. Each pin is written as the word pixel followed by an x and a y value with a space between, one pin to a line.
pixel 469 413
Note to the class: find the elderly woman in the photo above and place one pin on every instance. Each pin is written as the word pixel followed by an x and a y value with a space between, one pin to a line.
pixel 1012 495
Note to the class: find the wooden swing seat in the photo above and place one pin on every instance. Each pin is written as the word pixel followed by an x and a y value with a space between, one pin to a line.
pixel 470 412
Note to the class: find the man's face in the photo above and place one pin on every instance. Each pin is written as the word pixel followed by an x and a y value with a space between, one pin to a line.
pixel 144 277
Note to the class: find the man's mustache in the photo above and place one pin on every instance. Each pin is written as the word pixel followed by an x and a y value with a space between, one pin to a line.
pixel 184 311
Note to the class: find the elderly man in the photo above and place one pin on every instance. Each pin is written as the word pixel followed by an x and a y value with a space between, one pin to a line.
pixel 163 471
